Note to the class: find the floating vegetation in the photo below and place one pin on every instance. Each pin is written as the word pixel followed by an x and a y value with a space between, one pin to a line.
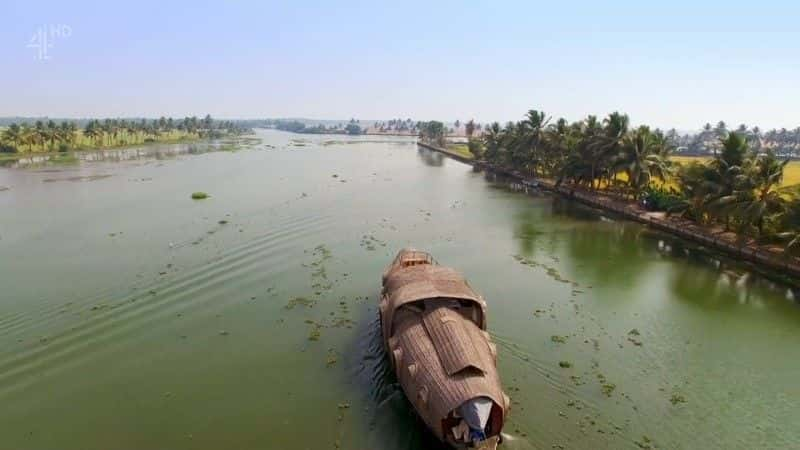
pixel 577 404
pixel 342 322
pixel 222 222
pixel 314 334
pixel 76 179
pixel 632 339
pixel 300 301
pixel 321 283
pixel 319 276
pixel 677 398
pixel 608 388
pixel 577 380
pixel 199 195
pixel 644 443
pixel 331 360
pixel 370 242
pixel 559 339
pixel 564 364
pixel 552 272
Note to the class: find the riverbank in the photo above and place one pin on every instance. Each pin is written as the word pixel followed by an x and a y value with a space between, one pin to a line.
pixel 228 142
pixel 763 257
pixel 83 149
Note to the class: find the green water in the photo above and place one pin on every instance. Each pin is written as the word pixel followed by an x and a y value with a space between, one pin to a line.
pixel 133 317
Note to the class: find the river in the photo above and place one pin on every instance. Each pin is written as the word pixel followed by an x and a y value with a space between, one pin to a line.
pixel 133 317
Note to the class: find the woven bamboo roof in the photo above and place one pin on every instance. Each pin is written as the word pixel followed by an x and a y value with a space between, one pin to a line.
pixel 404 285
pixel 434 329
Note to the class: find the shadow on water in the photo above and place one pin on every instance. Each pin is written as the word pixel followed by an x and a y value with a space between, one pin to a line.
pixel 728 285
pixel 608 255
pixel 574 210
pixel 430 158
pixel 527 232
pixel 615 251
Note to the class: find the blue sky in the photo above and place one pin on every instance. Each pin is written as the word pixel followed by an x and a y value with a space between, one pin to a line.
pixel 675 64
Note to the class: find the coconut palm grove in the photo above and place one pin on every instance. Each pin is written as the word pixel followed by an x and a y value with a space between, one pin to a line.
pixel 736 187
pixel 67 135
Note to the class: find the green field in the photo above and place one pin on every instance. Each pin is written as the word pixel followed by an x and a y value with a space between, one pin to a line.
pixel 460 149
pixel 791 174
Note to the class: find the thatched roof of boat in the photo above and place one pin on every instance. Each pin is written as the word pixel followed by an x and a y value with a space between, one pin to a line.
pixel 403 285
pixel 442 357
pixel 443 361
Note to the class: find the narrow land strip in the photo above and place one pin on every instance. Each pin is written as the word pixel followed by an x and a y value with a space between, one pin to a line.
pixel 763 257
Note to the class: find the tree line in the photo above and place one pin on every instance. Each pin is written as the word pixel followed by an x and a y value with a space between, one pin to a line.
pixel 781 141
pixel 739 188
pixel 68 135
pixel 295 126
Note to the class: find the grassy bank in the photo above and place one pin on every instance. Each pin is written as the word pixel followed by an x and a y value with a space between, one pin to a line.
pixel 461 149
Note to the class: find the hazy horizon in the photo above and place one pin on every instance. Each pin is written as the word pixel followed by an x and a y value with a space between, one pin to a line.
pixel 680 65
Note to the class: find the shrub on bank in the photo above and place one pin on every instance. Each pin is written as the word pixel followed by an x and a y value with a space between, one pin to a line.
pixel 660 199
pixel 475 147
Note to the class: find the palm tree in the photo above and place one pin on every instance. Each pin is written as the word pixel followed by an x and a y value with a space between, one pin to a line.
pixel 605 148
pixel 763 200
pixel 492 140
pixel 27 136
pixel 469 128
pixel 721 129
pixel 13 134
pixel 530 139
pixel 51 133
pixel 66 133
pixel 558 143
pixel 697 183
pixel 730 168
pixel 93 131
pixel 39 133
pixel 107 129
pixel 645 157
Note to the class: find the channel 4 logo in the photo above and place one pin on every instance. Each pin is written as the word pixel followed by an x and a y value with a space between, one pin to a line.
pixel 45 37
